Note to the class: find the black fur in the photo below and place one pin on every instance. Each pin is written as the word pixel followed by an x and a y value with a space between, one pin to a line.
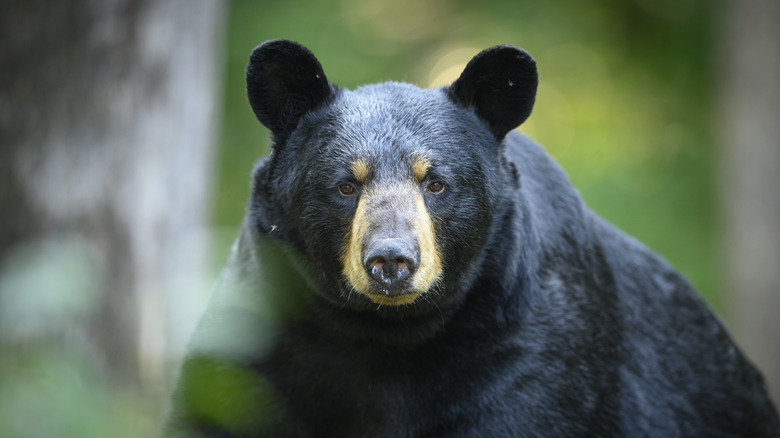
pixel 285 81
pixel 500 85
pixel 547 322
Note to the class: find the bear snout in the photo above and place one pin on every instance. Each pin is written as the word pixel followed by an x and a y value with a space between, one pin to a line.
pixel 391 262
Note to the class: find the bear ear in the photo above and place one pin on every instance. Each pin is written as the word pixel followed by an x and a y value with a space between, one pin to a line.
pixel 284 81
pixel 500 85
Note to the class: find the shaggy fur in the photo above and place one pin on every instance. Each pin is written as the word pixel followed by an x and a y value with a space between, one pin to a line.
pixel 544 321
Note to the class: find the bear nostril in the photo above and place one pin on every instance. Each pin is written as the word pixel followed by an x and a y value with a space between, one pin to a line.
pixel 402 267
pixel 377 267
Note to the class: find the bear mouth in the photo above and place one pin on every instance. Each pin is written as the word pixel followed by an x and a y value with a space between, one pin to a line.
pixel 395 294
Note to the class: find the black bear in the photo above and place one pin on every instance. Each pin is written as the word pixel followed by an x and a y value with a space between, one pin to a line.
pixel 410 266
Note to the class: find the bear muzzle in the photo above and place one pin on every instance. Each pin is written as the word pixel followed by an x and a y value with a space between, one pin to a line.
pixel 391 255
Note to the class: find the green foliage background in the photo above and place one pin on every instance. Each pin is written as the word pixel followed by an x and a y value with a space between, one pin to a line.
pixel 623 104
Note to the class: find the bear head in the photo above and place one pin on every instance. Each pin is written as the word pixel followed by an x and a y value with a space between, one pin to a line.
pixel 389 193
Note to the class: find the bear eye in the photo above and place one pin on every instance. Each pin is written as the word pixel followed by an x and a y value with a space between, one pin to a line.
pixel 436 187
pixel 347 189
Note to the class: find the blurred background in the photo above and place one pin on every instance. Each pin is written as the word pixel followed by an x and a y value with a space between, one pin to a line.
pixel 126 144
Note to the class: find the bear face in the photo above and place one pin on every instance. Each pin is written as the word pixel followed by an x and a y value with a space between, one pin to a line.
pixel 390 191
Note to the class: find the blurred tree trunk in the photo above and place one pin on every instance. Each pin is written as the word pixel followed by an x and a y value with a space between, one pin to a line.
pixel 750 109
pixel 107 126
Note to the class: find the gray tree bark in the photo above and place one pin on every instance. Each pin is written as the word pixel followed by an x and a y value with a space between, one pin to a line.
pixel 107 129
pixel 750 167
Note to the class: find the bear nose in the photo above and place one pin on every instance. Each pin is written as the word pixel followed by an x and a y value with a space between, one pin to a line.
pixel 391 261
